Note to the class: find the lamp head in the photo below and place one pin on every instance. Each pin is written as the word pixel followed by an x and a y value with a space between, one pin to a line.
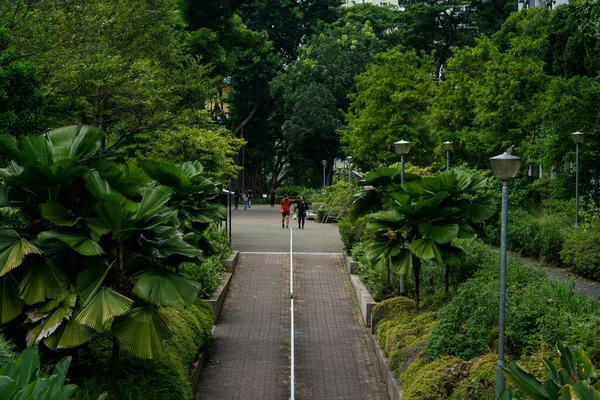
pixel 447 146
pixel 402 147
pixel 324 162
pixel 505 166
pixel 349 159
pixel 577 137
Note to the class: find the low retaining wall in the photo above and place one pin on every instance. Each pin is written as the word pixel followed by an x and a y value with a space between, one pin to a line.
pixel 218 297
pixel 231 261
pixel 351 265
pixel 366 304
pixel 197 366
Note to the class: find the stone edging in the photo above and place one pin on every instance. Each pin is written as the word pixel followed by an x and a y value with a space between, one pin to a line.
pixel 218 297
pixel 231 261
pixel 197 366
pixel 351 265
pixel 366 304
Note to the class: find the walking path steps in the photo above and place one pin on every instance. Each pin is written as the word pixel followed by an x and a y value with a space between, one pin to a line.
pixel 250 352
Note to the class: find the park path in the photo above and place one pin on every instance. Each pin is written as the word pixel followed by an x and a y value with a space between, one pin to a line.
pixel 250 351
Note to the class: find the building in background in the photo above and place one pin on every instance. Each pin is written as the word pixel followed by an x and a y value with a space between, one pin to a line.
pixel 550 4
pixel 348 3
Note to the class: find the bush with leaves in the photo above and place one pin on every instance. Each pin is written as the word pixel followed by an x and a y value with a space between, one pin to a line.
pixel 581 250
pixel 351 232
pixel 7 350
pixel 105 242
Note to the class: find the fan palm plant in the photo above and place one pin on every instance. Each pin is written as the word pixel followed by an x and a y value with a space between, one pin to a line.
pixel 102 245
pixel 419 220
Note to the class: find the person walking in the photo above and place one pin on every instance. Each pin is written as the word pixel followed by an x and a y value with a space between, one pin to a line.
pixel 302 208
pixel 236 199
pixel 245 200
pixel 249 198
pixel 272 194
pixel 284 208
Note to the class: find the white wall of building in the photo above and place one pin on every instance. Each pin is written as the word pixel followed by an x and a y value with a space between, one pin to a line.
pixel 348 3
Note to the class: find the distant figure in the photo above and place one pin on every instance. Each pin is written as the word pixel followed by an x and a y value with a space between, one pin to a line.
pixel 249 198
pixel 245 198
pixel 284 208
pixel 236 199
pixel 302 208
pixel 272 194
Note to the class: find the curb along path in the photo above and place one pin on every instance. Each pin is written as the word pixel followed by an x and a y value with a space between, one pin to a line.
pixel 250 352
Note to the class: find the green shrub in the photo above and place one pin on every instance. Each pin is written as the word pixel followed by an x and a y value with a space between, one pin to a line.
pixel 7 351
pixel 166 378
pixel 479 382
pixel 581 251
pixel 433 380
pixel 219 239
pixel 351 232
pixel 209 274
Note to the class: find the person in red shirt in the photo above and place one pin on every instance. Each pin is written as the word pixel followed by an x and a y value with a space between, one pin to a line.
pixel 284 208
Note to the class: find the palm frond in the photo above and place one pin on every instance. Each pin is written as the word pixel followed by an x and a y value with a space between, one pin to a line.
pixel 42 281
pixel 11 305
pixel 57 214
pixel 142 332
pixel 14 251
pixel 69 335
pixel 77 241
pixel 153 201
pixel 103 307
pixel 166 289
pixel 90 281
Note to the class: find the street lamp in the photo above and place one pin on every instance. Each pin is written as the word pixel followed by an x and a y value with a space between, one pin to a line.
pixel 577 138
pixel 349 159
pixel 505 168
pixel 447 147
pixel 324 162
pixel 402 148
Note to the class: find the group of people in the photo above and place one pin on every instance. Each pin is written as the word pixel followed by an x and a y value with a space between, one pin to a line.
pixel 246 199
pixel 285 206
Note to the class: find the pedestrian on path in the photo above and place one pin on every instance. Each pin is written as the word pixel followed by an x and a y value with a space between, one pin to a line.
pixel 236 199
pixel 302 208
pixel 249 198
pixel 272 193
pixel 284 209
pixel 245 200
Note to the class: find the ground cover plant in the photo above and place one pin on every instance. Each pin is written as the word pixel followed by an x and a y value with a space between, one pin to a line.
pixel 101 250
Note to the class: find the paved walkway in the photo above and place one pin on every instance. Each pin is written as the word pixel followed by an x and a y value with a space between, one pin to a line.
pixel 250 352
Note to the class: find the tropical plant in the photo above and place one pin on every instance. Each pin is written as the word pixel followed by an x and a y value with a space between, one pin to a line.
pixel 104 244
pixel 575 378
pixel 421 218
pixel 22 380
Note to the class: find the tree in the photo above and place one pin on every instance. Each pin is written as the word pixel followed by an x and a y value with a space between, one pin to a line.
pixel 119 67
pixel 391 103
pixel 20 95
pixel 102 245
pixel 420 219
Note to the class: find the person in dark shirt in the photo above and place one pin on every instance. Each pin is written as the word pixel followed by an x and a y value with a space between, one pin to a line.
pixel 302 209
pixel 272 193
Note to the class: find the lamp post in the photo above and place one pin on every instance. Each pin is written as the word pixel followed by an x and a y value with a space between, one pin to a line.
pixel 577 138
pixel 349 159
pixel 505 167
pixel 324 162
pixel 402 148
pixel 447 147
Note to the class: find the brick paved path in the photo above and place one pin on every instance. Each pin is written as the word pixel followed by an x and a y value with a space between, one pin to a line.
pixel 250 352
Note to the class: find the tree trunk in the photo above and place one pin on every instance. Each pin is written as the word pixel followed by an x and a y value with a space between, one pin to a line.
pixel 447 280
pixel 114 369
pixel 387 270
pixel 417 270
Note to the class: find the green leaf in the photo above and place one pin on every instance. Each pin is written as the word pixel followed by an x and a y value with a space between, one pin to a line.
pixel 166 289
pixel 71 144
pixel 439 233
pixel 581 390
pixel 142 332
pixel 48 325
pixel 153 201
pixel 41 282
pixel 402 262
pixel 11 305
pixel 90 281
pixel 15 249
pixel 7 387
pixel 525 381
pixel 426 249
pixel 28 364
pixel 103 307
pixel 77 241
pixel 57 214
pixel 478 210
pixel 507 394
pixel 175 245
pixel 70 335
